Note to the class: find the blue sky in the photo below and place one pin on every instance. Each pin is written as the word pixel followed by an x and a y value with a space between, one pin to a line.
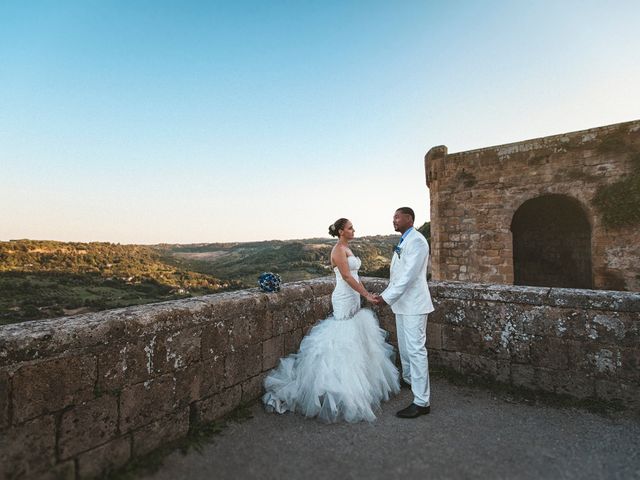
pixel 193 121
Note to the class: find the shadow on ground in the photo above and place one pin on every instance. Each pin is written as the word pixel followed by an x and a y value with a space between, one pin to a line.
pixel 472 432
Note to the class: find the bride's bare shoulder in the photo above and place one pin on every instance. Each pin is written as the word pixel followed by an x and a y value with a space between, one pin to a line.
pixel 338 253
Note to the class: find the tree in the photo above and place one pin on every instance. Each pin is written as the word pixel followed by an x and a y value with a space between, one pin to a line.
pixel 425 230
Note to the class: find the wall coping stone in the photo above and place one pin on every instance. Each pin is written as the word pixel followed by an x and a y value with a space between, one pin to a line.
pixel 43 338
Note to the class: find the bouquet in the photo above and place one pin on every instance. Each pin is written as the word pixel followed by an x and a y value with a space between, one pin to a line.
pixel 269 282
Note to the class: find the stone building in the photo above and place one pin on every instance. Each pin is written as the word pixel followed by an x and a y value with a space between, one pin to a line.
pixel 559 211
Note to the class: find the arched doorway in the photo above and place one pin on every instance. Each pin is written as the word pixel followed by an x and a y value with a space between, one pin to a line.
pixel 551 243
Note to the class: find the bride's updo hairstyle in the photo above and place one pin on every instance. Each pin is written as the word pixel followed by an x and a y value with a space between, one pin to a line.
pixel 336 226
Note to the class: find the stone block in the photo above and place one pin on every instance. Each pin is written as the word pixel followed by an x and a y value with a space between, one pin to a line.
pixel 628 394
pixel 594 299
pixel 444 359
pixel 546 379
pixel 188 384
pixel 176 350
pixel 28 448
pixel 142 403
pixel 244 330
pixel 102 460
pixel 216 340
pixel 575 384
pixel 478 365
pixel 219 405
pixel 606 327
pixel 264 323
pixel 321 308
pixel 292 341
pixel 87 425
pixel 62 471
pixel 27 341
pixel 434 335
pixel 292 308
pixel 462 339
pixel 272 351
pixel 213 378
pixel 4 399
pixel 629 368
pixel 602 361
pixel 252 388
pixel 386 318
pixel 52 385
pixel 126 364
pixel 523 376
pixel 161 431
pixel 549 352
pixel 503 371
pixel 242 364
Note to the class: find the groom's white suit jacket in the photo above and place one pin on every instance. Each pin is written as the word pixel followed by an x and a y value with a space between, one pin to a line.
pixel 408 293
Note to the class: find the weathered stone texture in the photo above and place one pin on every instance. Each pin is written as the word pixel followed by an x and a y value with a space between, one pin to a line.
pixel 28 448
pixel 177 349
pixel 243 363
pixel 272 350
pixel 125 364
pixel 142 403
pixel 103 459
pixel 132 376
pixel 160 431
pixel 179 363
pixel 252 388
pixel 586 345
pixel 292 341
pixel 62 471
pixel 88 425
pixel 4 399
pixel 219 405
pixel 213 377
pixel 51 385
pixel 476 194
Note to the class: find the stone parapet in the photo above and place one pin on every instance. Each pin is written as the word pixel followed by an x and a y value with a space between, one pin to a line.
pixel 83 395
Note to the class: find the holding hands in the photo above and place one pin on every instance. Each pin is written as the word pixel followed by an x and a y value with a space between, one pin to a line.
pixel 375 299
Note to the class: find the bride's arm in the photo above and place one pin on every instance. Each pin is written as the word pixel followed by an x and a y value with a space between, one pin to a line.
pixel 342 262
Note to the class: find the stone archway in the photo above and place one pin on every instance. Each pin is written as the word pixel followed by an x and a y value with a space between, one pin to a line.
pixel 552 243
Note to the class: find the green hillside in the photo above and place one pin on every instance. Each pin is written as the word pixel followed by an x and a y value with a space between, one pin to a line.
pixel 43 279
pixel 294 260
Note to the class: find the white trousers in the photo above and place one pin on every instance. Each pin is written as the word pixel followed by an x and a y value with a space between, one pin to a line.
pixel 412 338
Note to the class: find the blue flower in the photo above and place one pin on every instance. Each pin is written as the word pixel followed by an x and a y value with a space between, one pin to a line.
pixel 397 250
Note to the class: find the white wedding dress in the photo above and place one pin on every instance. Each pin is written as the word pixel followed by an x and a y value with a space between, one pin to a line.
pixel 344 367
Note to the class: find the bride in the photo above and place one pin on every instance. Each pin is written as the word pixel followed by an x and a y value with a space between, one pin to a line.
pixel 344 368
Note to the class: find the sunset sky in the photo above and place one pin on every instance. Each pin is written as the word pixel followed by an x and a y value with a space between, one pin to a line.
pixel 208 121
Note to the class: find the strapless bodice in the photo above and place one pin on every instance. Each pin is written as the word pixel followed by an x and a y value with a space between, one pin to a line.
pixel 345 300
pixel 354 265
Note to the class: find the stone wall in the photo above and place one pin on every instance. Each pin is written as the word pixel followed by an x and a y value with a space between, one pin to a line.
pixel 583 343
pixel 476 194
pixel 84 394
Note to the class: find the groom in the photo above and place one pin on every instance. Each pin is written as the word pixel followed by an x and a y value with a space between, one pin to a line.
pixel 408 295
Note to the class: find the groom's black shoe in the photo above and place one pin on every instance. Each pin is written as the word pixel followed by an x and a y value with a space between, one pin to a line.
pixel 413 411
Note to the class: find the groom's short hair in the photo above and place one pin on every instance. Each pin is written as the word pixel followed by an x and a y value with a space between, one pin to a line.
pixel 408 211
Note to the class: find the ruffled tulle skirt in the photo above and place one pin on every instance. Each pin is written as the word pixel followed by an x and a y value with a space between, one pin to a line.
pixel 343 371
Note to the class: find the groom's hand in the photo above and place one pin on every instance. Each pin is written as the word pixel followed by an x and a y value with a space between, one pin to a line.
pixel 378 300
